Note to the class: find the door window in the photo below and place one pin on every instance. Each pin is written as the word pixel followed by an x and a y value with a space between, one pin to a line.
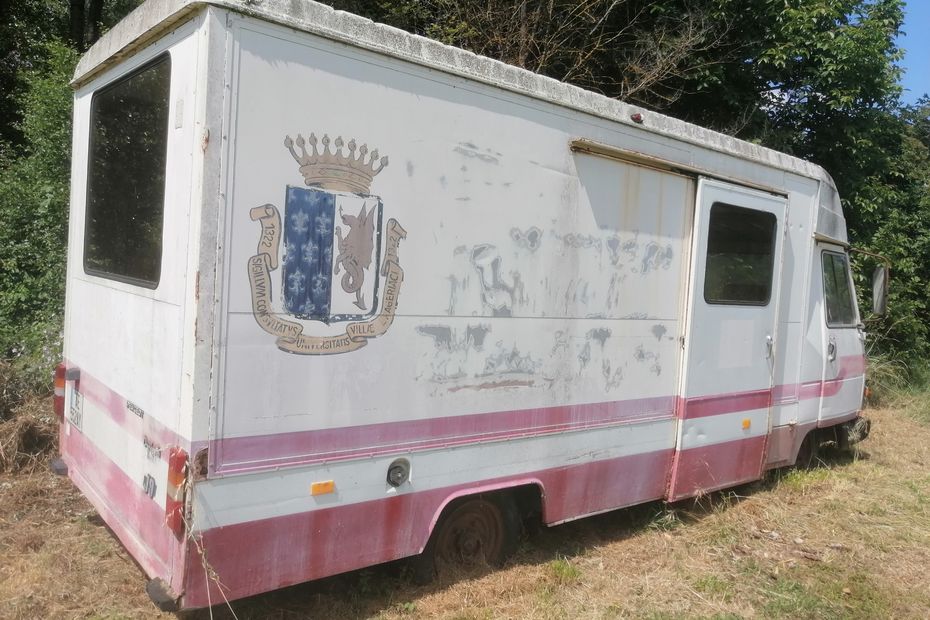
pixel 740 256
pixel 838 294
pixel 126 176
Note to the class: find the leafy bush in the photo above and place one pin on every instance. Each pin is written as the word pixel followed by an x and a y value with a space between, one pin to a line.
pixel 33 222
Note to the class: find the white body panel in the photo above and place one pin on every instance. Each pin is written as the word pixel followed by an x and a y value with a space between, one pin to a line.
pixel 530 315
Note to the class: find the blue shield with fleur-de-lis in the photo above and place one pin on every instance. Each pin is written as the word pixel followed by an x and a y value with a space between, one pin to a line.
pixel 332 246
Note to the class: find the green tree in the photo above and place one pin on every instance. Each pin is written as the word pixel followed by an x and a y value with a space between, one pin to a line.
pixel 33 213
pixel 894 207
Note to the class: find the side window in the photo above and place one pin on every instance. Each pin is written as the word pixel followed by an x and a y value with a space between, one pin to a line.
pixel 740 256
pixel 126 176
pixel 838 294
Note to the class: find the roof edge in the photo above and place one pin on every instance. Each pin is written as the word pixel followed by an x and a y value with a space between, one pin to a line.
pixel 153 17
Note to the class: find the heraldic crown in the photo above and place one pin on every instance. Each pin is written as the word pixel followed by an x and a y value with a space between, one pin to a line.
pixel 335 170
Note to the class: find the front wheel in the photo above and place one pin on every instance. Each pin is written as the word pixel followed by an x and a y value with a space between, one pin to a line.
pixel 808 452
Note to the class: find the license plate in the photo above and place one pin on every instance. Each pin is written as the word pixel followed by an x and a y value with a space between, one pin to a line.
pixel 76 410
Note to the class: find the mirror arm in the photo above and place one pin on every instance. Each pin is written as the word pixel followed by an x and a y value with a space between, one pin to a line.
pixel 884 259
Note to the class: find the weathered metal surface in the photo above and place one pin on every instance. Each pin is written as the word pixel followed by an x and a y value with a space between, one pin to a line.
pixel 526 325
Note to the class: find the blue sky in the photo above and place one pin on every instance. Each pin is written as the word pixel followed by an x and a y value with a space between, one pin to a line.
pixel 916 43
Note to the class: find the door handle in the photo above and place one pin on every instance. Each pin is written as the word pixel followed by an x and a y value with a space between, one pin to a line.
pixel 831 350
pixel 769 345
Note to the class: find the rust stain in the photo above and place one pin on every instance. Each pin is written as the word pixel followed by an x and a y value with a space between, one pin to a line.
pixel 200 464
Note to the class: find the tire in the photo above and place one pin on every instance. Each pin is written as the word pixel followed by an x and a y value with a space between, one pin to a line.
pixel 808 452
pixel 473 532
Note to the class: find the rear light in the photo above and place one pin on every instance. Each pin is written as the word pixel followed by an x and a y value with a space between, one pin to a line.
pixel 60 391
pixel 174 504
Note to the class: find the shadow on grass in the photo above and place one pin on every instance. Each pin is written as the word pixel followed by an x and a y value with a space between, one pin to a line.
pixel 391 588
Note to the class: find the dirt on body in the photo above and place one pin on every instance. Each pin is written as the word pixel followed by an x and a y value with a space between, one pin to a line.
pixel 848 539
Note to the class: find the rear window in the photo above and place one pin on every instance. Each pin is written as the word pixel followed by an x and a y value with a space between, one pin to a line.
pixel 740 256
pixel 838 294
pixel 126 176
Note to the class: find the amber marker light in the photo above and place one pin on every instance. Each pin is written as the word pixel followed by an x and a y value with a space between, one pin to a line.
pixel 746 424
pixel 323 487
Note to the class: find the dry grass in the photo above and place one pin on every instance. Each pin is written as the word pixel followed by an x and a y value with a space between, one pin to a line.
pixel 850 539
pixel 28 436
pixel 59 561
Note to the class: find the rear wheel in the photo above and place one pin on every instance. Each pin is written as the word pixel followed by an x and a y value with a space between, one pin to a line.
pixel 472 532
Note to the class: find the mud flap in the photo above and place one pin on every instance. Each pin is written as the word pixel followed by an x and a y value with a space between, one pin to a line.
pixel 161 595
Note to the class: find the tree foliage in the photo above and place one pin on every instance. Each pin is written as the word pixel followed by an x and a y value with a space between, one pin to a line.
pixel 33 213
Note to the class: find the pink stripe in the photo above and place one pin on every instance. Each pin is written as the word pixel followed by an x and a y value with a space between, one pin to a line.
pixel 851 366
pixel 137 520
pixel 114 404
pixel 717 466
pixel 241 453
pixel 264 555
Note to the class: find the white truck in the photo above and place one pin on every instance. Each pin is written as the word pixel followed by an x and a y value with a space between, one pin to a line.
pixel 339 295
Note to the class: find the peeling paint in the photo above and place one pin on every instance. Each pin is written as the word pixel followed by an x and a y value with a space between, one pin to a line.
pixel 574 240
pixel 656 257
pixel 496 294
pixel 641 355
pixel 600 334
pixel 585 356
pixel 583 275
pixel 510 362
pixel 475 335
pixel 613 248
pixel 529 239
pixel 493 385
pixel 613 379
pixel 441 335
pixel 658 331
pixel 631 246
pixel 470 150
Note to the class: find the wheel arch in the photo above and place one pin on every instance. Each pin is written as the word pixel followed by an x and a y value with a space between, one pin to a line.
pixel 533 485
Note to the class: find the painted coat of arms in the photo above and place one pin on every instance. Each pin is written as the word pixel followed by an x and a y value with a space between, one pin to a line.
pixel 333 268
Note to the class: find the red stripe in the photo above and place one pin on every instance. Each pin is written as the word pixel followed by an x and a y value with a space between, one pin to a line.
pixel 137 520
pixel 264 555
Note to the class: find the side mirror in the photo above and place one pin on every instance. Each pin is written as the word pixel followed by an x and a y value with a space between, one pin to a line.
pixel 880 290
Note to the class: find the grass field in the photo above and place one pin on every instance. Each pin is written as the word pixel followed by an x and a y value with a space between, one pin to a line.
pixel 848 539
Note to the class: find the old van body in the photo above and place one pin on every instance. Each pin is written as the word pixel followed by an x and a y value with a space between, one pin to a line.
pixel 338 294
